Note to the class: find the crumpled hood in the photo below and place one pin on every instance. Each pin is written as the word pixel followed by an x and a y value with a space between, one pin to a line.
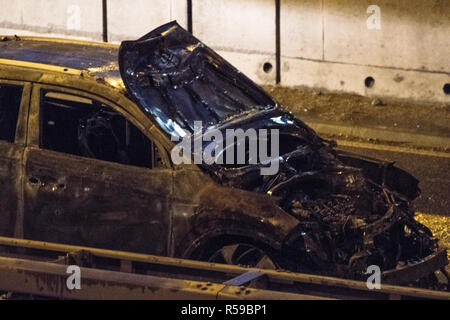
pixel 178 80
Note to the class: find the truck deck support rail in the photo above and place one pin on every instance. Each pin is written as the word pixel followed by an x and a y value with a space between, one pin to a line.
pixel 39 268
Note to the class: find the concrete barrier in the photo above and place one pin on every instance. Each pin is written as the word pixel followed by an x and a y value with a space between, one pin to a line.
pixel 397 49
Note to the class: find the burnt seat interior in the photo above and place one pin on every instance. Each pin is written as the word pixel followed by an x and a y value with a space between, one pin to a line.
pixel 88 128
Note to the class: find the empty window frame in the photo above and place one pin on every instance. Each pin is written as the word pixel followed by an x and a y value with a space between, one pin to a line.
pixel 88 128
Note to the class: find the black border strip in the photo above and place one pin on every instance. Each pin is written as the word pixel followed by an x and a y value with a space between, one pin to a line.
pixel 277 41
pixel 189 16
pixel 105 20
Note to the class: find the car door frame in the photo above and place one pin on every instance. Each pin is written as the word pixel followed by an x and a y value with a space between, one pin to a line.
pixel 20 144
pixel 33 133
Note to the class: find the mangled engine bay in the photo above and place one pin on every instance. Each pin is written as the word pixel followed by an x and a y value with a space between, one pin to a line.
pixel 353 211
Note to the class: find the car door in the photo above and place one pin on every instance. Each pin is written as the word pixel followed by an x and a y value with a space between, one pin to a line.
pixel 92 177
pixel 14 102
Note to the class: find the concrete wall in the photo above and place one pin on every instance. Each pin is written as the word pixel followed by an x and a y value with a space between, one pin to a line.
pixel 402 45
pixel 75 18
pixel 243 32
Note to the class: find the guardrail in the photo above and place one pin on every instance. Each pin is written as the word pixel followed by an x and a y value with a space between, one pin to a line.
pixel 38 268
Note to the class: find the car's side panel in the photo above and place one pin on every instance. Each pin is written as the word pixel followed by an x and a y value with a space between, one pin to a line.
pixel 74 200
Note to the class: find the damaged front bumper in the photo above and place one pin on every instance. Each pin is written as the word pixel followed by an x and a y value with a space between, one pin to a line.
pixel 416 270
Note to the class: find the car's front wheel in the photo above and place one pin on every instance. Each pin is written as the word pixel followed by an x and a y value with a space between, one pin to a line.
pixel 242 254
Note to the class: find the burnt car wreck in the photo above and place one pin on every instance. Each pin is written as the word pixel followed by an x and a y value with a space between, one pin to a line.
pixel 95 140
pixel 352 211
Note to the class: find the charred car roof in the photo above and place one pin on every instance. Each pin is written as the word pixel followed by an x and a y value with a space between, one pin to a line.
pixel 98 59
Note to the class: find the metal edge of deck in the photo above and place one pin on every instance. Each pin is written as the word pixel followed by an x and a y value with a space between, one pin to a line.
pixel 274 275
